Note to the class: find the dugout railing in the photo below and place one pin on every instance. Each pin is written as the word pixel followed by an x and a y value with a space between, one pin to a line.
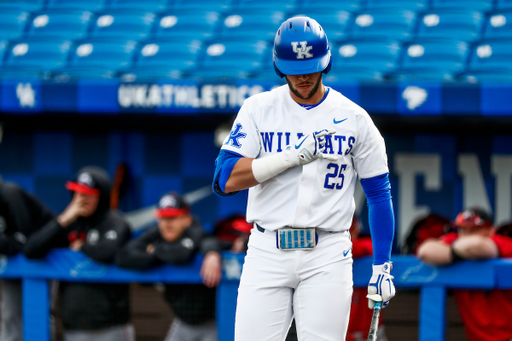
pixel 409 272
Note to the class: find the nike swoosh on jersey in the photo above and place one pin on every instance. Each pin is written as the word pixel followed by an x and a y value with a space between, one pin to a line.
pixel 297 147
pixel 345 253
pixel 336 122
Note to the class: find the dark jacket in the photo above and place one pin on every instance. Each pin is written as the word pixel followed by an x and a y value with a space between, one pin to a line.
pixel 192 303
pixel 21 214
pixel 89 306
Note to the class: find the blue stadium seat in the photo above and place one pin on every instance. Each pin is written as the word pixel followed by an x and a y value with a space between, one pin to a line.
pixel 93 58
pixel 3 50
pixel 225 59
pixel 334 23
pixel 251 24
pixel 474 5
pixel 86 5
pixel 145 5
pixel 35 57
pixel 187 24
pixel 210 5
pixel 12 23
pixel 413 5
pixel 498 25
pixel 503 4
pixel 266 72
pixel 68 24
pixel 422 74
pixel 163 59
pixel 24 5
pixel 125 24
pixel 387 23
pixel 484 76
pixel 491 55
pixel 365 56
pixel 432 59
pixel 459 24
pixel 282 5
pixel 353 75
pixel 331 5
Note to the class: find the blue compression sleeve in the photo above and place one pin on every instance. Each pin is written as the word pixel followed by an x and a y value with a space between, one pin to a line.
pixel 380 216
pixel 223 167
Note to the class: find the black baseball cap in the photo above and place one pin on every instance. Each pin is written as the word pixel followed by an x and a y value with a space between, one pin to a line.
pixel 171 205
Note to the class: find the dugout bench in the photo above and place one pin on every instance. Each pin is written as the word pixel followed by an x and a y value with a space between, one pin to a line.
pixel 409 272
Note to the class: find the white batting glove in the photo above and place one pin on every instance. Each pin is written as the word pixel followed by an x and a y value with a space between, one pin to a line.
pixel 381 287
pixel 307 149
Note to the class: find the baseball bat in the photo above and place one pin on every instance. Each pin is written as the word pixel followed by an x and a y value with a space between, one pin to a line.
pixel 374 325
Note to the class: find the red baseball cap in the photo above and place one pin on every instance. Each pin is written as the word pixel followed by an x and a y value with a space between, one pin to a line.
pixel 171 205
pixel 242 225
pixel 84 184
pixel 474 218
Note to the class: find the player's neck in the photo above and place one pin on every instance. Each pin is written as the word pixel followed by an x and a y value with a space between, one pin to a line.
pixel 315 99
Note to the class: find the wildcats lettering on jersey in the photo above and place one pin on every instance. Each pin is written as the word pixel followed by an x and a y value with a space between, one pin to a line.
pixel 334 144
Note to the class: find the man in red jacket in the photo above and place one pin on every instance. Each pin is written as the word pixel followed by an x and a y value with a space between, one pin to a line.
pixel 486 314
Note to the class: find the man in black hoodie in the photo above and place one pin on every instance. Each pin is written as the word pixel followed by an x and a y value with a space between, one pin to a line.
pixel 176 240
pixel 90 311
pixel 21 214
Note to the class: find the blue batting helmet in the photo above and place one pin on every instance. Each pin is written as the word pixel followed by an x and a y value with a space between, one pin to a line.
pixel 301 47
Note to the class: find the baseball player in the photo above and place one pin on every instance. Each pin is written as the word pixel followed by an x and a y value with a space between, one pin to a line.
pixel 298 148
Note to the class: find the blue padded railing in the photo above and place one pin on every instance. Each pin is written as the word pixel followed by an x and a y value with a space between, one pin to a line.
pixel 409 272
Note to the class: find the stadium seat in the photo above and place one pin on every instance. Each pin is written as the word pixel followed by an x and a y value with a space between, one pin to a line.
pixel 353 75
pixel 413 5
pixel 491 55
pixel 282 5
pixel 125 24
pixel 86 5
pixel 503 4
pixel 334 23
pixel 3 49
pixel 498 25
pixel 163 59
pixel 230 59
pixel 484 76
pixel 331 5
pixel 251 24
pixel 67 24
pixel 474 5
pixel 24 5
pixel 186 24
pixel 146 5
pixel 210 5
pixel 93 58
pixel 35 57
pixel 366 57
pixel 459 24
pixel 432 59
pixel 431 74
pixel 12 23
pixel 387 23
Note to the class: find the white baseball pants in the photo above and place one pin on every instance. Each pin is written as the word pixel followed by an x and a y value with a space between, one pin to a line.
pixel 314 287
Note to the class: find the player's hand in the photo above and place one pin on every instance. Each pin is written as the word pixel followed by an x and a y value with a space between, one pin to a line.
pixel 381 287
pixel 76 245
pixel 211 269
pixel 307 149
pixel 73 211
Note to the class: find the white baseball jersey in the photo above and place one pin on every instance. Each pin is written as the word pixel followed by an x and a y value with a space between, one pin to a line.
pixel 321 193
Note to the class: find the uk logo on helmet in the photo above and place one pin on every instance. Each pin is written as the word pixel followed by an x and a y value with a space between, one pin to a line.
pixel 303 52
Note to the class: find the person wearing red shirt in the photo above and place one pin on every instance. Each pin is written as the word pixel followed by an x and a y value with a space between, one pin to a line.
pixel 485 314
